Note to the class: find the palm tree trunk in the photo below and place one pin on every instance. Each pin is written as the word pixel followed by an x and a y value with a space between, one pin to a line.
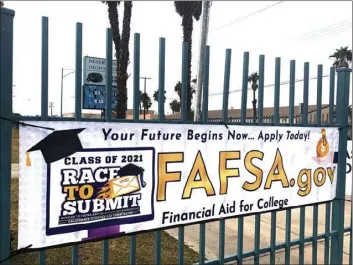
pixel 187 37
pixel 114 25
pixel 254 105
pixel 122 77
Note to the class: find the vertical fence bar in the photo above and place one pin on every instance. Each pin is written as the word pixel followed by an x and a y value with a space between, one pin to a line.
pixel 202 241
pixel 136 117
pixel 277 90
pixel 319 95
pixel 45 59
pixel 161 80
pixel 328 205
pixel 260 121
pixel 184 115
pixel 342 103
pixel 161 102
pixel 304 122
pixel 78 73
pixel 306 94
pixel 108 113
pixel 6 66
pixel 109 73
pixel 327 232
pixel 44 89
pixel 291 122
pixel 225 120
pixel 226 85
pixel 350 242
pixel 291 91
pixel 276 120
pixel 332 95
pixel 318 122
pixel 136 77
pixel 244 92
pixel 78 100
pixel 261 88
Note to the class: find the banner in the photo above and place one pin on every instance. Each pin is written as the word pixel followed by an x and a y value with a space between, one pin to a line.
pixel 349 169
pixel 84 181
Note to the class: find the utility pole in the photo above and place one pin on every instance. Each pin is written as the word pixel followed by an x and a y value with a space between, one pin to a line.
pixel 62 86
pixel 203 41
pixel 51 106
pixel 144 91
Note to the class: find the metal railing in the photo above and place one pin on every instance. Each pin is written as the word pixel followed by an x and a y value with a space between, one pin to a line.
pixel 333 235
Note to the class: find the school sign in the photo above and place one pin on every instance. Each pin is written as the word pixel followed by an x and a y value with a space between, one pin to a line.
pixel 87 181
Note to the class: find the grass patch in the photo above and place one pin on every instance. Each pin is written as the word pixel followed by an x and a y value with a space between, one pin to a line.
pixel 91 253
pixel 15 146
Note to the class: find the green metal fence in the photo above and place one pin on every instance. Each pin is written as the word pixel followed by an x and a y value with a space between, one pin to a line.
pixel 333 236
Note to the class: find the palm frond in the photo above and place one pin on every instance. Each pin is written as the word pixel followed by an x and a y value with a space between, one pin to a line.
pixel 107 2
pixel 197 10
pixel 349 55
pixel 189 8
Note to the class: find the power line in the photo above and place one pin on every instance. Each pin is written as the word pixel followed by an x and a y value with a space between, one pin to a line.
pixel 249 15
pixel 265 86
pixel 270 85
pixel 338 32
pixel 327 28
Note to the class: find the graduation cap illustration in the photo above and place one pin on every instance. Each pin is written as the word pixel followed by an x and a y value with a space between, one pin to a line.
pixel 57 145
pixel 132 170
pixel 129 181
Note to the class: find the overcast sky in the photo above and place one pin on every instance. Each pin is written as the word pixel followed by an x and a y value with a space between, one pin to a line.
pixel 305 31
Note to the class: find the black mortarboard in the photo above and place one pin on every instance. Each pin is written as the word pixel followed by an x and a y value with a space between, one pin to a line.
pixel 132 170
pixel 57 145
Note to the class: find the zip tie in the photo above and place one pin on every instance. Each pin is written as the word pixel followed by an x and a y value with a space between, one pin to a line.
pixel 339 199
pixel 26 124
pixel 342 127
pixel 16 252
pixel 224 123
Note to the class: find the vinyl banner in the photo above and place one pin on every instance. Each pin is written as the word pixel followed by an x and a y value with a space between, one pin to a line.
pixel 349 169
pixel 84 181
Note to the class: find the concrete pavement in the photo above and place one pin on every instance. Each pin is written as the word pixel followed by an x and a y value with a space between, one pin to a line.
pixel 231 232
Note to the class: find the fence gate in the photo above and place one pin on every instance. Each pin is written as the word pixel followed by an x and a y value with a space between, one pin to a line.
pixel 332 238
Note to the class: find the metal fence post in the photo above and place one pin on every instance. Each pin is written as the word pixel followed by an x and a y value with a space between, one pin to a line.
pixel 6 63
pixel 338 204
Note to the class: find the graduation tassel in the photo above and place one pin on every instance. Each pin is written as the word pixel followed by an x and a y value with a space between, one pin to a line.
pixel 28 160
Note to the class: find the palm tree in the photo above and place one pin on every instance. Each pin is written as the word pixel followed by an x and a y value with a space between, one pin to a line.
pixel 1 3
pixel 253 79
pixel 188 10
pixel 175 106
pixel 177 89
pixel 146 103
pixel 140 105
pixel 122 55
pixel 192 89
pixel 343 57
pixel 155 96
